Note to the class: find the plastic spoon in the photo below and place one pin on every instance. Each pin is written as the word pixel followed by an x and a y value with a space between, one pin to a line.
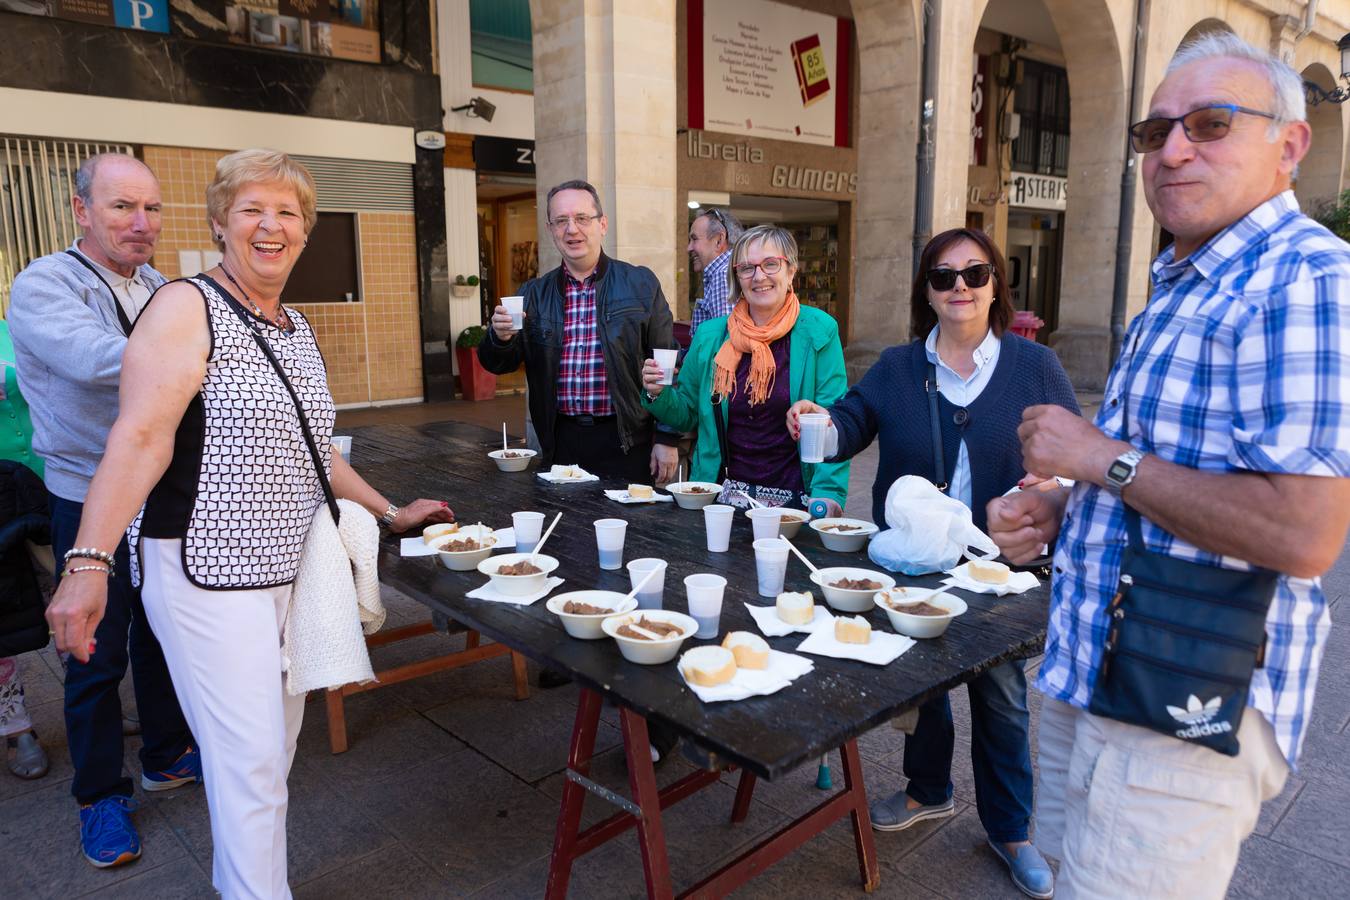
pixel 539 546
pixel 753 502
pixel 800 556
pixel 646 578
pixel 503 437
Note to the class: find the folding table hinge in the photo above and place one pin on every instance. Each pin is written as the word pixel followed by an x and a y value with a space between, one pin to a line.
pixel 604 793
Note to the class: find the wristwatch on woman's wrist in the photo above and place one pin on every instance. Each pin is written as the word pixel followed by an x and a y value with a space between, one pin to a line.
pixel 390 515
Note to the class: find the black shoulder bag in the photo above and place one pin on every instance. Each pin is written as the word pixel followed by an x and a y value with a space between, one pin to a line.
pixel 939 462
pixel 117 304
pixel 1183 642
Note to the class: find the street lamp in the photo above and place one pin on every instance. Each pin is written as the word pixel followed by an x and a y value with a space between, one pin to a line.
pixel 1317 94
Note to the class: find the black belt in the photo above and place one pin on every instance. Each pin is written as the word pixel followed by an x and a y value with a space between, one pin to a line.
pixel 586 420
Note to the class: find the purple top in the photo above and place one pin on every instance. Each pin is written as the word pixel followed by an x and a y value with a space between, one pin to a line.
pixel 762 451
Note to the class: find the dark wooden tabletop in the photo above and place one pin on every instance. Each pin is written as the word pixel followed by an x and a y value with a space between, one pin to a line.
pixel 839 700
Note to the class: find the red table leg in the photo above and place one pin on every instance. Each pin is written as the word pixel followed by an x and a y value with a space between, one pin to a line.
pixel 862 819
pixel 574 795
pixel 741 808
pixel 642 782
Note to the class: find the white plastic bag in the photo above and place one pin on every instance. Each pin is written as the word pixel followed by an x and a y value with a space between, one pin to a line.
pixel 929 531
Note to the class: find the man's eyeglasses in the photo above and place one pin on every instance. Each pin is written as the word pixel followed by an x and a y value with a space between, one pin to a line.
pixel 769 265
pixel 1208 123
pixel 581 220
pixel 974 276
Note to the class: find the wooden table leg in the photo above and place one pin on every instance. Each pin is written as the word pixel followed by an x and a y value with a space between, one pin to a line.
pixel 862 819
pixel 741 808
pixel 337 721
pixel 471 638
pixel 522 676
pixel 574 795
pixel 642 782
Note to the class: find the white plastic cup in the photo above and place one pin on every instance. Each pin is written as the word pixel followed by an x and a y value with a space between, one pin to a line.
pixel 765 522
pixel 516 307
pixel 343 444
pixel 666 359
pixel 704 593
pixel 609 535
pixel 812 443
pixel 771 558
pixel 717 521
pixel 652 595
pixel 527 526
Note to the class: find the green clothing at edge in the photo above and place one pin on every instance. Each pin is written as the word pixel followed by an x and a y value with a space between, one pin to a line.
pixel 816 370
pixel 16 427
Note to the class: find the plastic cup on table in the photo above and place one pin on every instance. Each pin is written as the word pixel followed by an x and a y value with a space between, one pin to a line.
pixel 771 557
pixel 527 526
pixel 343 445
pixel 653 593
pixel 765 521
pixel 704 593
pixel 516 307
pixel 812 443
pixel 609 535
pixel 666 359
pixel 717 521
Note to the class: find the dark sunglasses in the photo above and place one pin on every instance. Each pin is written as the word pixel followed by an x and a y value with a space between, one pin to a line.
pixel 1208 123
pixel 974 276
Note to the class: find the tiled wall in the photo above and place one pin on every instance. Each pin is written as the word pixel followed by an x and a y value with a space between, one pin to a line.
pixel 373 347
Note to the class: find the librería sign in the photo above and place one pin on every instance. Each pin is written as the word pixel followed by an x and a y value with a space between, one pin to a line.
pixel 790 177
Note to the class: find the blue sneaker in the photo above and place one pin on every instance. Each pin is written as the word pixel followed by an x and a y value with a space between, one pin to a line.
pixel 1028 870
pixel 894 814
pixel 186 770
pixel 107 836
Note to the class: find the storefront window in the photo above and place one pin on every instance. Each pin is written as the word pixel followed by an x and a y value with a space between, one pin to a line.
pixel 502 51
pixel 1042 103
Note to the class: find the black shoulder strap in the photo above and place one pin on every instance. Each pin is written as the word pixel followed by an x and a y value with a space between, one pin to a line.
pixel 117 304
pixel 295 398
pixel 939 462
pixel 718 403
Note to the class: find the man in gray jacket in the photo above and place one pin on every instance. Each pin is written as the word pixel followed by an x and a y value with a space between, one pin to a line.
pixel 70 314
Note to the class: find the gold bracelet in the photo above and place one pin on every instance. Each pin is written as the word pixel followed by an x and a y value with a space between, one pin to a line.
pixel 71 570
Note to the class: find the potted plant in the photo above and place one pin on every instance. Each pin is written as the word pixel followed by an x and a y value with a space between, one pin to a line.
pixel 464 286
pixel 475 382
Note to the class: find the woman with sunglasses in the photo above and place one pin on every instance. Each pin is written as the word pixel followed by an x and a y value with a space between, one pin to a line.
pixel 742 373
pixel 985 376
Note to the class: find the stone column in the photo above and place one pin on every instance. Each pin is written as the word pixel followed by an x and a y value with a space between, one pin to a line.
pixel 604 75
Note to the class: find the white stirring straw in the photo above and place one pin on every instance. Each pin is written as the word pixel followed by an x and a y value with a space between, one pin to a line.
pixel 646 578
pixel 503 437
pixel 809 565
pixel 539 546
pixel 753 502
pixel 679 474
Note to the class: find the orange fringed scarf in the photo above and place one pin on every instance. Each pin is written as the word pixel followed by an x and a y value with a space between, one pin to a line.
pixel 744 336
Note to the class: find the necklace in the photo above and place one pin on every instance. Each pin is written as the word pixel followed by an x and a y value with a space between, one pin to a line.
pixel 278 320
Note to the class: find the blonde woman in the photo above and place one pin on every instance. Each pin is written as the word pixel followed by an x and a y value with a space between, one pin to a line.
pixel 209 439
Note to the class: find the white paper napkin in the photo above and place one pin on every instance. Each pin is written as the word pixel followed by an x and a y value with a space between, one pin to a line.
pixel 490 592
pixel 1017 582
pixel 622 497
pixel 883 648
pixel 415 546
pixel 766 617
pixel 783 669
pixel 553 479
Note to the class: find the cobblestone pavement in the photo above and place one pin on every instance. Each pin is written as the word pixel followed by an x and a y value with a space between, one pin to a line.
pixel 451 788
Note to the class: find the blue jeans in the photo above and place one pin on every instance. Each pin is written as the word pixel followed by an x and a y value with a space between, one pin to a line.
pixel 93 706
pixel 1000 752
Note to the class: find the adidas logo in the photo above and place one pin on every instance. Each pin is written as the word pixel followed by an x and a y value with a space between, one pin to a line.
pixel 1196 716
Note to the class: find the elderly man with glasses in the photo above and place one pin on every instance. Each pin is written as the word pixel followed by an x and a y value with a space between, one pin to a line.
pixel 712 234
pixel 1187 622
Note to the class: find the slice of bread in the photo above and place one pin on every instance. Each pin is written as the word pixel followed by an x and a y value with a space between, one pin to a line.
pixel 640 491
pixel 751 650
pixel 796 608
pixel 708 666
pixel 856 630
pixel 988 571
pixel 431 532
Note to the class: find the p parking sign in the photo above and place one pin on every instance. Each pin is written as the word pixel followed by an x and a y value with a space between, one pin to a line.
pixel 142 15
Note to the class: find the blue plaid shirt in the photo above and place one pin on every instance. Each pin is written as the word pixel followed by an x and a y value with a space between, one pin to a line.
pixel 716 293
pixel 1241 361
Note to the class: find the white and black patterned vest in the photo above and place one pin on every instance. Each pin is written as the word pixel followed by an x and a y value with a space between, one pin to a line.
pixel 256 490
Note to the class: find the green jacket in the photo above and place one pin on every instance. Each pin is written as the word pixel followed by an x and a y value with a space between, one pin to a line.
pixel 16 426
pixel 816 371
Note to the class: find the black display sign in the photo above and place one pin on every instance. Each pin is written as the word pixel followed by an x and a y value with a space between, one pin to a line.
pixel 510 155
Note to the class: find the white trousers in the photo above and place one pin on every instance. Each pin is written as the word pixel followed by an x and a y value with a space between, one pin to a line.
pixel 223 649
pixel 1134 813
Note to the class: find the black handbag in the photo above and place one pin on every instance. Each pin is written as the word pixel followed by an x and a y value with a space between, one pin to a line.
pixel 1183 641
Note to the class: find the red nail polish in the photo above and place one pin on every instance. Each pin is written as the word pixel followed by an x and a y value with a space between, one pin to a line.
pixel 92 645
pixel 444 504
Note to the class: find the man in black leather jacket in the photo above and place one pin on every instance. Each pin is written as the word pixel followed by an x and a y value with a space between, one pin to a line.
pixel 589 325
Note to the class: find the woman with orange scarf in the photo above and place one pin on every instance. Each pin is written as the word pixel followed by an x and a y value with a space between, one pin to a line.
pixel 747 368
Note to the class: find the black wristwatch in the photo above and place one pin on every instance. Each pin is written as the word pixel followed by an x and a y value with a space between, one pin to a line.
pixel 1122 470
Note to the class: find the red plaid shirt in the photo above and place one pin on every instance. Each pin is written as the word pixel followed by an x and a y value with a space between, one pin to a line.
pixel 582 388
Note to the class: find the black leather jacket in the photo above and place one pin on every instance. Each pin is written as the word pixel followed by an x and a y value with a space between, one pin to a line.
pixel 633 319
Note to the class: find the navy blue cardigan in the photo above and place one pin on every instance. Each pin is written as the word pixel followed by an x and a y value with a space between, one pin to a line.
pixel 890 403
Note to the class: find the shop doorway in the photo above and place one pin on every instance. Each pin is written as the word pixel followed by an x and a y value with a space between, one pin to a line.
pixel 508 248
pixel 821 230
pixel 1034 242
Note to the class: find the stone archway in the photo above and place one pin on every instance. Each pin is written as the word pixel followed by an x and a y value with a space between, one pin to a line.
pixel 1202 28
pixel 1319 175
